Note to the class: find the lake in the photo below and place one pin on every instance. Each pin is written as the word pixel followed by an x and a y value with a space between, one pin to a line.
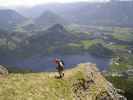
pixel 45 63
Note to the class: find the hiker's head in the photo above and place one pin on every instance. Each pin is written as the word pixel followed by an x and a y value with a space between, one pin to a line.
pixel 56 60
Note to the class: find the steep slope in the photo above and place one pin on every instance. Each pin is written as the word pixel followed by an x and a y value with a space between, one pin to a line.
pixel 49 18
pixel 10 18
pixel 84 82
pixel 56 33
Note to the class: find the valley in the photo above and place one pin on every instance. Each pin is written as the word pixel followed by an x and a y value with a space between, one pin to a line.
pixel 100 33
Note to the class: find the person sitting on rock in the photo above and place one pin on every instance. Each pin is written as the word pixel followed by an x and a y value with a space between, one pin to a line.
pixel 60 67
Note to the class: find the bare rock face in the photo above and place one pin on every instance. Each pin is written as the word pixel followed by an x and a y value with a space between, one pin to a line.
pixel 3 70
pixel 114 93
pixel 95 86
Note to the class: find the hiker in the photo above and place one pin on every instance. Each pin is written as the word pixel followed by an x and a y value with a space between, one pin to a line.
pixel 60 67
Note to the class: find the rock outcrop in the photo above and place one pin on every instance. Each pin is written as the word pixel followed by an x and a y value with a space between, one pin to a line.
pixel 3 70
pixel 95 86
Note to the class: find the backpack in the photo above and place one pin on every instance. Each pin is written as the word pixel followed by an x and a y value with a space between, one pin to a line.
pixel 62 62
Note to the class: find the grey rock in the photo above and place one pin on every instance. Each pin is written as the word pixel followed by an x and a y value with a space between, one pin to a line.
pixel 3 70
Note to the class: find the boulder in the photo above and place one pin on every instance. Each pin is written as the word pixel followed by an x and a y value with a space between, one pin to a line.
pixel 3 70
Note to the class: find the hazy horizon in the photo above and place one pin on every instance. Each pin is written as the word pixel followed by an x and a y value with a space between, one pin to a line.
pixel 29 3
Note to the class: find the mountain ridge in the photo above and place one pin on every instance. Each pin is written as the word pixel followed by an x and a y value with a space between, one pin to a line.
pixel 84 82
pixel 104 13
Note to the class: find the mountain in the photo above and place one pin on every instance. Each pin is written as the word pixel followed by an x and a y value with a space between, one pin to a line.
pixel 53 37
pixel 37 10
pixel 55 33
pixel 10 18
pixel 113 13
pixel 49 18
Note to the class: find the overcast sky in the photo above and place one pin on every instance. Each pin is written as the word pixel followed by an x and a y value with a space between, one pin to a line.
pixel 36 2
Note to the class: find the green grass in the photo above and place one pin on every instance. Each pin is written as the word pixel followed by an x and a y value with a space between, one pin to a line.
pixel 88 43
pixel 123 36
pixel 117 46
pixel 38 86
pixel 45 86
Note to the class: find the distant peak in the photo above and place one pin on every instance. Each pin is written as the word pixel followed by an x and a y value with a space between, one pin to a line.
pixel 48 13
pixel 7 10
